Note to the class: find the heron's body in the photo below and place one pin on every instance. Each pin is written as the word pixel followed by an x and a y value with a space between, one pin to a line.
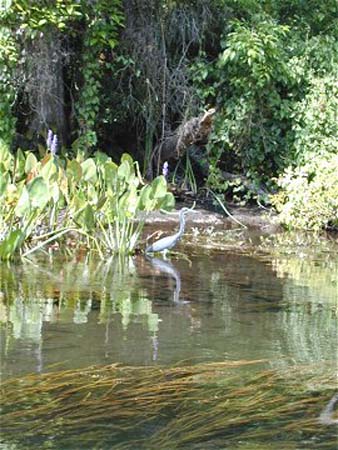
pixel 168 242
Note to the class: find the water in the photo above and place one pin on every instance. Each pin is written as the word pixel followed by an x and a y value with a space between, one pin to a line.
pixel 264 301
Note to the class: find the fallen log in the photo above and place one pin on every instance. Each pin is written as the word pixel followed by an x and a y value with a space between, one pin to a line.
pixel 193 132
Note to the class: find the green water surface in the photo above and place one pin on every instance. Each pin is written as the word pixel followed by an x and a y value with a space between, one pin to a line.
pixel 265 299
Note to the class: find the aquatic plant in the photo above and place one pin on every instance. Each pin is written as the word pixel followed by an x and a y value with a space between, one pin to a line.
pixel 165 169
pixel 94 198
pixel 49 139
pixel 54 145
pixel 215 405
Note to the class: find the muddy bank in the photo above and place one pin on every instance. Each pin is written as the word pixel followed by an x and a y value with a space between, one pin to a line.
pixel 254 218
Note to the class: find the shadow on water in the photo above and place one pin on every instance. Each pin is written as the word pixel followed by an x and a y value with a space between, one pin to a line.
pixel 270 303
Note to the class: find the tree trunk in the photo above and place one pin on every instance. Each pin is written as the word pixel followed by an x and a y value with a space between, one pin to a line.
pixel 45 85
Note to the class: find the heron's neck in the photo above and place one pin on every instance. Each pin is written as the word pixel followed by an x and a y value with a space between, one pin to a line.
pixel 182 225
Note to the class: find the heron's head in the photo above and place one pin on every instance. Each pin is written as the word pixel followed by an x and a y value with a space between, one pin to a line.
pixel 186 210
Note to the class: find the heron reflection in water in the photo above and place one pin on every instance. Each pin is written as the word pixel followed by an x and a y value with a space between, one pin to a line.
pixel 168 242
pixel 169 269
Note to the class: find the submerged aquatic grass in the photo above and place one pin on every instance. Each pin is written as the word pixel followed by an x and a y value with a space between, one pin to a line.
pixel 162 408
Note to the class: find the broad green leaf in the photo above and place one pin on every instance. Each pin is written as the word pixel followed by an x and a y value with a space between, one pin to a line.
pixel 10 244
pixel 38 191
pixel 168 202
pixel 49 170
pixel 63 184
pixel 85 218
pixel 55 192
pixel 127 158
pixel 20 164
pixel 31 163
pixel 101 158
pixel 4 182
pixel 145 202
pixel 110 173
pixel 6 158
pixel 131 201
pixel 89 170
pixel 123 172
pixel 24 205
pixel 74 170
pixel 158 187
pixel 78 202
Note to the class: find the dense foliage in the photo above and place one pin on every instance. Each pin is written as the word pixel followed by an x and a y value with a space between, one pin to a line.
pixel 309 194
pixel 93 199
pixel 122 76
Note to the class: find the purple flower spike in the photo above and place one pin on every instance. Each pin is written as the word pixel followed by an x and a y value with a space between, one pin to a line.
pixel 49 139
pixel 54 146
pixel 165 169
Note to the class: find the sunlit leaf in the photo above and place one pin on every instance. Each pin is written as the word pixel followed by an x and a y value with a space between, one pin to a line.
pixel 20 164
pixel 145 202
pixel 110 173
pixel 6 158
pixel 38 191
pixel 74 170
pixel 23 206
pixel 89 170
pixel 4 182
pixel 168 202
pixel 10 244
pixel 123 172
pixel 55 192
pixel 127 158
pixel 31 163
pixel 49 170
pixel 158 187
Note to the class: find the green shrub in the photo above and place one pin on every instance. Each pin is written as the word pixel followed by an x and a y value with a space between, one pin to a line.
pixel 309 194
pixel 315 120
pixel 249 133
pixel 274 85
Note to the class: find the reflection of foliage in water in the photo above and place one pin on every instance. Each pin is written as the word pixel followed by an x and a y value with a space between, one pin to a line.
pixel 67 290
pixel 309 266
pixel 310 261
pixel 261 298
pixel 291 282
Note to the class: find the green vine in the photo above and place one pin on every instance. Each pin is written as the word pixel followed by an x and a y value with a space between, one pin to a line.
pixel 22 21
pixel 8 60
pixel 103 18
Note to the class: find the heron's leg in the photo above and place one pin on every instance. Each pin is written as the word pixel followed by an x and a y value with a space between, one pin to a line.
pixel 165 252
